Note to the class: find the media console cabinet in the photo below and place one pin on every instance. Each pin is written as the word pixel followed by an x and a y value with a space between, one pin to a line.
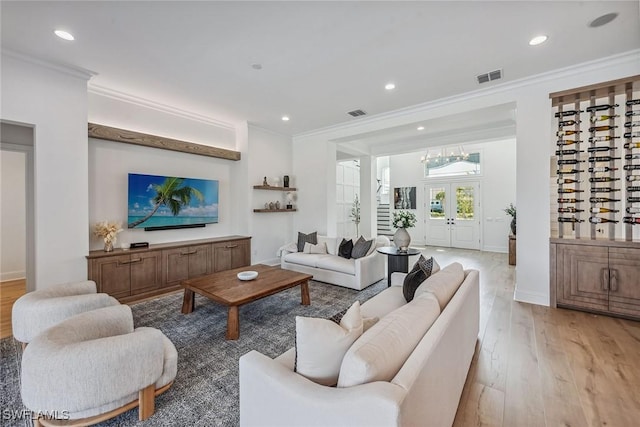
pixel 134 274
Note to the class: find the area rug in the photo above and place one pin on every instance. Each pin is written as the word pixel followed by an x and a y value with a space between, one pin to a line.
pixel 205 391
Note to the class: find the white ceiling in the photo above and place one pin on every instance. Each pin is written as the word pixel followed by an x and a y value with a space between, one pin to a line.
pixel 320 59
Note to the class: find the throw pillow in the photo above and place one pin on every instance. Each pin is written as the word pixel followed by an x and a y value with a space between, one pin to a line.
pixel 321 344
pixel 303 238
pixel 361 247
pixel 444 284
pixel 320 248
pixel 345 248
pixel 420 272
pixel 367 322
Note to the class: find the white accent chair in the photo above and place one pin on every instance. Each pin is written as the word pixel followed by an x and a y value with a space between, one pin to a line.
pixel 94 366
pixel 37 311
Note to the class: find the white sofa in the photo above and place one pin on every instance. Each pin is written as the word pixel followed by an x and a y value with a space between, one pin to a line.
pixel 424 392
pixel 331 268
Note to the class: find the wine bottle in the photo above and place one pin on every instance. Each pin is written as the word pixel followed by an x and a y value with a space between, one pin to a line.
pixel 632 102
pixel 567 181
pixel 604 190
pixel 598 220
pixel 633 199
pixel 601 128
pixel 602 169
pixel 569 161
pixel 602 200
pixel 631 167
pixel 602 118
pixel 568 142
pixel 632 209
pixel 568 171
pixel 632 124
pixel 629 145
pixel 570 219
pixel 603 159
pixel 561 201
pixel 631 156
pixel 568 113
pixel 603 148
pixel 632 113
pixel 602 138
pixel 603 179
pixel 568 123
pixel 569 190
pixel 601 107
pixel 569 210
pixel 631 220
pixel 633 188
pixel 633 178
pixel 603 210
pixel 631 134
pixel 567 132
pixel 568 152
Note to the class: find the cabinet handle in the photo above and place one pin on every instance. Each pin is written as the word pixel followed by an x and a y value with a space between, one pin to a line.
pixel 231 246
pixel 130 261
pixel 605 279
pixel 614 280
pixel 188 253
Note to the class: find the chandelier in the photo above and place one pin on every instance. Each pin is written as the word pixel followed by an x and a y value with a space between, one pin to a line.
pixel 443 156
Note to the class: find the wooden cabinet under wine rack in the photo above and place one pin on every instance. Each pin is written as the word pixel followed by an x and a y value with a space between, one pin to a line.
pixel 595 206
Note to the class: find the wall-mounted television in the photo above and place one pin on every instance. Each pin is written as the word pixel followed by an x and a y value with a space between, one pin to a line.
pixel 168 202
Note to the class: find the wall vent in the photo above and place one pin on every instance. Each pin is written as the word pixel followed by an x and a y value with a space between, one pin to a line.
pixel 489 77
pixel 357 113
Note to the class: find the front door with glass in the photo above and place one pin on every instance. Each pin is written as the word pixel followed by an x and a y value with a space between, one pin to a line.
pixel 452 214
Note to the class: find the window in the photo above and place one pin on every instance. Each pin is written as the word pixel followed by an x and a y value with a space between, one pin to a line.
pixel 443 165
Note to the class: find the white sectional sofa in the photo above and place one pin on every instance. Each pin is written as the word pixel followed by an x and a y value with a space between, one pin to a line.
pixel 425 391
pixel 331 268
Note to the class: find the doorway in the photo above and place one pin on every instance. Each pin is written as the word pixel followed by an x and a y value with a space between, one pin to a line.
pixel 452 216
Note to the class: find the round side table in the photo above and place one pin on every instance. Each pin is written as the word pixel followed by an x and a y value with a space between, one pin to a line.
pixel 397 260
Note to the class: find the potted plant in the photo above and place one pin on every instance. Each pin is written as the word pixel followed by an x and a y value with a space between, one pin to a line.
pixel 511 211
pixel 355 214
pixel 403 220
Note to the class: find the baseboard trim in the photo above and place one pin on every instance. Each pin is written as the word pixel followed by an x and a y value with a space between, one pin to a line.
pixel 270 261
pixel 12 275
pixel 531 297
pixel 498 249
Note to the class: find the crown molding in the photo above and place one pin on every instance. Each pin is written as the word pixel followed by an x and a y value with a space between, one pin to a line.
pixel 157 106
pixel 67 69
pixel 632 56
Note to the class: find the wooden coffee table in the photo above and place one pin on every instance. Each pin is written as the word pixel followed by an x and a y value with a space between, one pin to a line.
pixel 225 288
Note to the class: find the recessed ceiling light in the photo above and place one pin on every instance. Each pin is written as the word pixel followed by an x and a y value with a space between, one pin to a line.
pixel 603 20
pixel 285 118
pixel 390 86
pixel 420 127
pixel 64 35
pixel 538 40
pixel 256 66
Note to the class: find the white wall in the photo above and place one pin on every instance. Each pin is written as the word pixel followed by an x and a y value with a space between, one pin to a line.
pixel 13 249
pixel 347 187
pixel 54 100
pixel 533 130
pixel 497 189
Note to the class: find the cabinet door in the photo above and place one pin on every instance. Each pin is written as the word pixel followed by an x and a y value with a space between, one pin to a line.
pixel 111 274
pixel 175 265
pixel 198 260
pixel 240 253
pixel 229 255
pixel 624 294
pixel 146 272
pixel 583 276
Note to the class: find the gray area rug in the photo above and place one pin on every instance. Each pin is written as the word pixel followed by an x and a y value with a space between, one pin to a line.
pixel 205 391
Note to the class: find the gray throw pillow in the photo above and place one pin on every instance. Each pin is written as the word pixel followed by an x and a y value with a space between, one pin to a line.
pixel 361 247
pixel 345 248
pixel 304 238
pixel 418 274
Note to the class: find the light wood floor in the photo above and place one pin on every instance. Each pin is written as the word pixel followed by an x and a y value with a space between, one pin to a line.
pixel 10 291
pixel 534 366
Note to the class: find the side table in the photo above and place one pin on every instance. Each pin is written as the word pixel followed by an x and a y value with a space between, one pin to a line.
pixel 397 260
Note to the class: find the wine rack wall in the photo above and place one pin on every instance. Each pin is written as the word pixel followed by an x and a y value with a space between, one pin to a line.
pixel 596 167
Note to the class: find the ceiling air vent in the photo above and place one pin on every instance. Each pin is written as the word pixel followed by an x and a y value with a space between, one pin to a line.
pixel 489 77
pixel 357 113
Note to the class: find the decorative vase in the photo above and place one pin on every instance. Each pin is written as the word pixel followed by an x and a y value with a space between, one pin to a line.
pixel 108 246
pixel 401 239
pixel 278 205
pixel 286 181
pixel 513 226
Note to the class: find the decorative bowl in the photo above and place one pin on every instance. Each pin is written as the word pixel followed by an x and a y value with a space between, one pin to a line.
pixel 247 275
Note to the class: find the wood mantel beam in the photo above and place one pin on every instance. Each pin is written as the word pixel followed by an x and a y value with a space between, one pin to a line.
pixel 154 141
